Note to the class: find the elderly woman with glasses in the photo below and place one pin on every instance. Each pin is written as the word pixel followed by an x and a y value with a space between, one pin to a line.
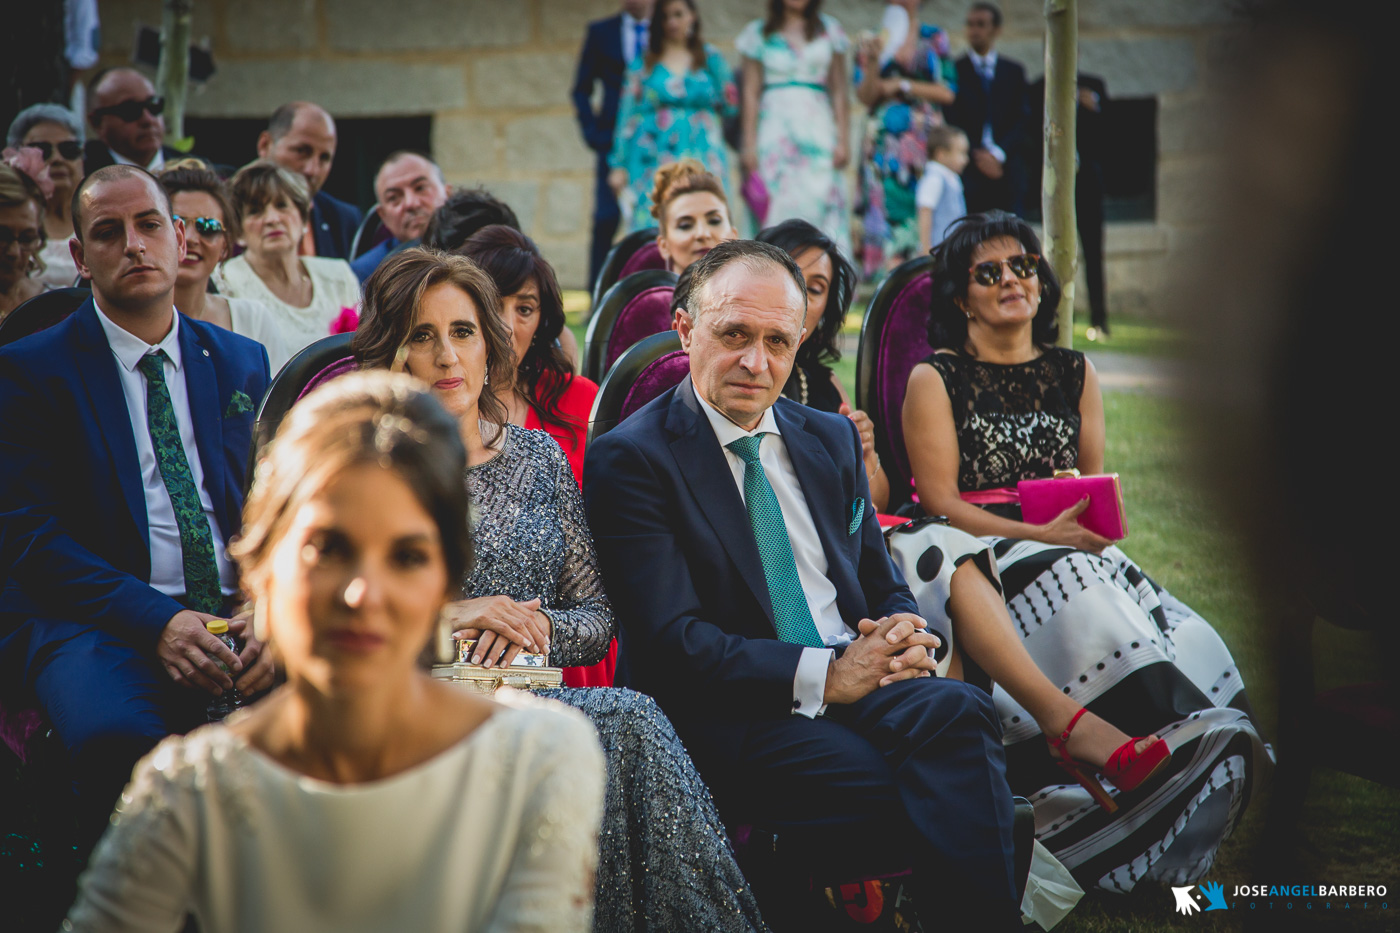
pixel 998 402
pixel 58 135
pixel 199 198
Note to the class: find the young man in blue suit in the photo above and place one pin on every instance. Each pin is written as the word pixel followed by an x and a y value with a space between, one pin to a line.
pixel 611 45
pixel 758 605
pixel 124 437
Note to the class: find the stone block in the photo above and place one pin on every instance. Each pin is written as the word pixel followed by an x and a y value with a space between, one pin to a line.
pixel 1194 125
pixel 1135 237
pixel 569 257
pixel 1117 14
pixel 377 26
pixel 1141 67
pixel 568 208
pixel 523 197
pixel 562 20
pixel 547 144
pixel 345 88
pixel 522 81
pixel 1188 190
pixel 120 19
pixel 271 26
pixel 466 147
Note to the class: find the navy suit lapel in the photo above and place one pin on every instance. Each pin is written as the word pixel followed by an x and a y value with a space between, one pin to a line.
pixel 98 370
pixel 706 471
pixel 616 49
pixel 202 386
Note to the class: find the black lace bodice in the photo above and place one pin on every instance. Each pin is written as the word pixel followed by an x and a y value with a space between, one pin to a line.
pixel 1016 421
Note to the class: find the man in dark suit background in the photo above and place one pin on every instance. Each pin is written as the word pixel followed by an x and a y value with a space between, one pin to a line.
pixel 124 437
pixel 758 605
pixel 610 46
pixel 127 122
pixel 992 109
pixel 301 137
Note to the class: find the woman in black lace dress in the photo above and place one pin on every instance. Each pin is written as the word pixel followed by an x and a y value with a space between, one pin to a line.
pixel 998 402
pixel 831 284
pixel 665 861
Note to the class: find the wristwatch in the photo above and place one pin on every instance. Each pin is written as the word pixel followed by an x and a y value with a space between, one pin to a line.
pixel 905 88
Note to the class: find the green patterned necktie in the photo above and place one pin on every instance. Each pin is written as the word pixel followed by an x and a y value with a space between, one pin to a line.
pixel 792 617
pixel 196 540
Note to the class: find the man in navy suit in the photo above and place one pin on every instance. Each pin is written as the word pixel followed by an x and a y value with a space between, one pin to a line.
pixel 993 110
pixel 410 187
pixel 301 137
pixel 758 605
pixel 124 437
pixel 611 45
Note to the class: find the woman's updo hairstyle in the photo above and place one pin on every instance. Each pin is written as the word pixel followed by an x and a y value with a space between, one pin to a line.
pixel 377 417
pixel 952 263
pixel 684 177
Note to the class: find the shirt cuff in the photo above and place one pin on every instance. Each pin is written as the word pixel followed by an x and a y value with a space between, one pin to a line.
pixel 997 152
pixel 809 683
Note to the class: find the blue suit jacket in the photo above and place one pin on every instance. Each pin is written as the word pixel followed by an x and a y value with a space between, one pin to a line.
pixel 682 569
pixel 601 60
pixel 74 538
pixel 335 223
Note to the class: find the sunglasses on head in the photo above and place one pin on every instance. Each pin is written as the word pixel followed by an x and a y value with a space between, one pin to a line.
pixel 129 111
pixel 69 149
pixel 1023 266
pixel 204 226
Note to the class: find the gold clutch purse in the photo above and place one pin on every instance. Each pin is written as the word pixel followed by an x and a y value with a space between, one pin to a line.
pixel 526 672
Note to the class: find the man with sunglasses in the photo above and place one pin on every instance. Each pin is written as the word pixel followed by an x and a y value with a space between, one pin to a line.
pixel 125 113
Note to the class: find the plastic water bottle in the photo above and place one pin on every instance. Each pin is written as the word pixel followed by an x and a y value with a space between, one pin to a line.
pixel 230 700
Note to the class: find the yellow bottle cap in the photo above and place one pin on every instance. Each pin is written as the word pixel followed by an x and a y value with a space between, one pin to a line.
pixel 216 626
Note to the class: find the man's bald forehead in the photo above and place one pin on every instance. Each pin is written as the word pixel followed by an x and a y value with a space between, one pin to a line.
pixel 299 113
pixel 399 158
pixel 86 203
pixel 120 81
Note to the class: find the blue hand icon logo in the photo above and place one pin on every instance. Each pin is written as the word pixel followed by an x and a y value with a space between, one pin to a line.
pixel 1215 895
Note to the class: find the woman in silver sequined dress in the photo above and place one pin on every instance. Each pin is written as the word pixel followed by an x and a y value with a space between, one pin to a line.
pixel 665 861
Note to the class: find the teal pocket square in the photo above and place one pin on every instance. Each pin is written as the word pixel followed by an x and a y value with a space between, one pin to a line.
pixel 857 513
pixel 238 403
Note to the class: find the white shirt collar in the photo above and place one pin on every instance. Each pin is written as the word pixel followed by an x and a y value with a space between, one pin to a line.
pixel 628 20
pixel 129 348
pixel 726 431
pixel 983 63
pixel 155 165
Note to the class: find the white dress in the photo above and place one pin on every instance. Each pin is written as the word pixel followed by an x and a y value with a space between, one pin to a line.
pixel 255 320
pixel 333 288
pixel 498 833
pixel 59 271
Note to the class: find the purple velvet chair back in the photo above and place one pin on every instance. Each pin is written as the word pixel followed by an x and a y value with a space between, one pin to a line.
pixel 646 314
pixel 893 339
pixel 339 368
pixel 666 372
pixel 647 256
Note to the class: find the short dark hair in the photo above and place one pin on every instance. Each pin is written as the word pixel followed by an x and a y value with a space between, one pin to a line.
pixel 749 253
pixel 987 6
pixel 112 173
pixel 283 118
pixel 261 182
pixel 947 322
pixel 794 236
pixel 362 418
pixel 393 295
pixel 943 137
pixel 464 213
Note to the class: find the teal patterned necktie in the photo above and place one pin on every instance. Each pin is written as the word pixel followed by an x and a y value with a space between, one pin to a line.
pixel 196 540
pixel 792 617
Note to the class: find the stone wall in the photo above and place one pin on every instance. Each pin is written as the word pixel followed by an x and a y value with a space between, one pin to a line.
pixel 495 76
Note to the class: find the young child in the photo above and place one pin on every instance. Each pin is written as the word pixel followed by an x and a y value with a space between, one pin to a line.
pixel 939 196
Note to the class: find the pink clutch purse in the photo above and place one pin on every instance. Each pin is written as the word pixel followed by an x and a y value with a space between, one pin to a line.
pixel 755 194
pixel 1044 499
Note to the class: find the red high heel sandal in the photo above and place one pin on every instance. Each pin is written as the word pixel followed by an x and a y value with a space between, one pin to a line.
pixel 1126 769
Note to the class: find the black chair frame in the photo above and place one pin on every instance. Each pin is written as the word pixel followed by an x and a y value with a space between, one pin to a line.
pixel 41 312
pixel 872 328
pixel 600 327
pixel 366 232
pixel 617 258
pixel 612 392
pixel 287 385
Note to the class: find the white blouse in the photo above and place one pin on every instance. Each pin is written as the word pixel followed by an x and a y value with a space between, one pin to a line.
pixel 498 833
pixel 333 287
pixel 255 320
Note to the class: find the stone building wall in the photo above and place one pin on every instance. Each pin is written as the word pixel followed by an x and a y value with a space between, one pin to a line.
pixel 495 76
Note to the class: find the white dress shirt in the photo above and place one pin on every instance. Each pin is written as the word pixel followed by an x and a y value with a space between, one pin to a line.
pixel 167 559
pixel 809 684
pixel 156 164
pixel 629 36
pixel 987 65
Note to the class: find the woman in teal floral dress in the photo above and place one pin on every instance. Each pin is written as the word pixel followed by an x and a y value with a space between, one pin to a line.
pixel 673 103
pixel 905 76
pixel 796 117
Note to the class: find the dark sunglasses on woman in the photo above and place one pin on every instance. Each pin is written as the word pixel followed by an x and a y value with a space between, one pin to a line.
pixel 129 111
pixel 204 226
pixel 69 149
pixel 1023 266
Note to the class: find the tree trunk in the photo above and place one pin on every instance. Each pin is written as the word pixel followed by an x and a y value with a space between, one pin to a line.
pixel 1058 179
pixel 172 78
